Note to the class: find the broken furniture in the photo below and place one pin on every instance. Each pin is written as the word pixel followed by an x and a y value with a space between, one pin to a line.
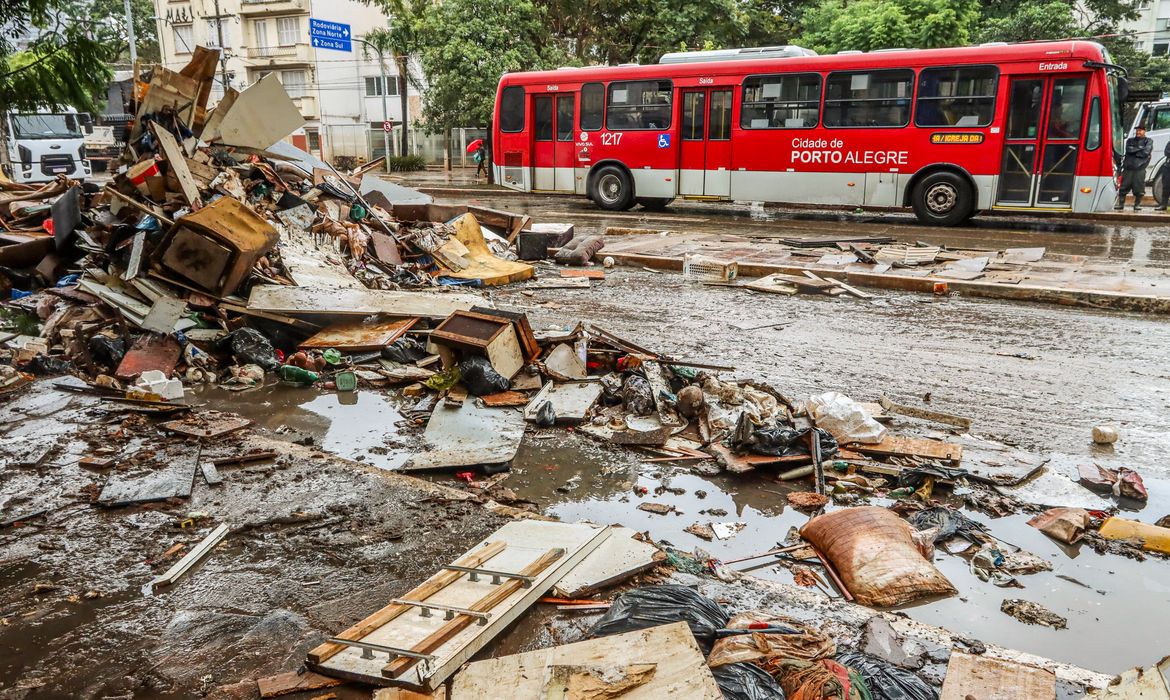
pixel 535 240
pixel 466 332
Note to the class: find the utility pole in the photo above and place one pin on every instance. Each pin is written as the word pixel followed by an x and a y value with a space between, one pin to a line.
pixel 130 34
pixel 223 73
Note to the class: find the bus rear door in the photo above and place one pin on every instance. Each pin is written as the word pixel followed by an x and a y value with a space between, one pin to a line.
pixel 1045 117
pixel 705 152
pixel 553 154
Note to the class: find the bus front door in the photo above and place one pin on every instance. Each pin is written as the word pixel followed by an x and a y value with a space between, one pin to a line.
pixel 564 155
pixel 543 145
pixel 1041 142
pixel 705 135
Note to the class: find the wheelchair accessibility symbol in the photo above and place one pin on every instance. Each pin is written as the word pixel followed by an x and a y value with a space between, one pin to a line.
pixel 664 140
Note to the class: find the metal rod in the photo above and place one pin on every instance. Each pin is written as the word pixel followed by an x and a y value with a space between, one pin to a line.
pixel 778 550
pixel 496 576
pixel 392 651
pixel 451 610
pixel 130 36
pixel 833 575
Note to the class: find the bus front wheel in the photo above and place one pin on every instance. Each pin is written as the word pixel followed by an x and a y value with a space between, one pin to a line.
pixel 942 199
pixel 612 189
pixel 655 203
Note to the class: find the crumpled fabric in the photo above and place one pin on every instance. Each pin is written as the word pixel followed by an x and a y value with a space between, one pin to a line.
pixel 778 439
pixel 950 523
pixel 823 679
pixel 807 643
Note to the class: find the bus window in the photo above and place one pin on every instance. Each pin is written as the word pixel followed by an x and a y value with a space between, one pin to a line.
pixel 1093 137
pixel 962 97
pixel 592 106
pixel 692 115
pixel 543 118
pixel 866 99
pixel 719 122
pixel 512 109
pixel 1067 108
pixel 638 104
pixel 781 102
pixel 1024 108
pixel 564 118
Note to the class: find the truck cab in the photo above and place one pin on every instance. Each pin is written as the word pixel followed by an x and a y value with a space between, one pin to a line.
pixel 1155 116
pixel 46 143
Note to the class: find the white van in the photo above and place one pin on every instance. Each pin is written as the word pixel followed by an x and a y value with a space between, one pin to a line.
pixel 1155 116
pixel 44 144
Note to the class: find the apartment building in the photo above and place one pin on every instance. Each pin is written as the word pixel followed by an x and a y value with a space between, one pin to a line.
pixel 1151 30
pixel 339 93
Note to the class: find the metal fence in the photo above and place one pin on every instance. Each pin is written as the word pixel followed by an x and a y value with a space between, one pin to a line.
pixel 365 144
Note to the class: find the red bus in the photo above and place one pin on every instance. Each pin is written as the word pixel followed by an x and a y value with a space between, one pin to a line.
pixel 949 132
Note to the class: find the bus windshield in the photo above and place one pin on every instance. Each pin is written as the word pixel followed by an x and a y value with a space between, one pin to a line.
pixel 45 126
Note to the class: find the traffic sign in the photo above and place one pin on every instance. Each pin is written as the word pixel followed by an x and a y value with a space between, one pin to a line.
pixel 387 125
pixel 329 35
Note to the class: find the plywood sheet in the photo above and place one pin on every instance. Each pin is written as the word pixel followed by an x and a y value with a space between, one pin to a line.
pixel 992 679
pixel 1151 683
pixel 571 400
pixel 360 336
pixel 681 671
pixel 526 541
pixel 618 558
pixel 169 475
pixel 261 115
pixel 900 445
pixel 358 302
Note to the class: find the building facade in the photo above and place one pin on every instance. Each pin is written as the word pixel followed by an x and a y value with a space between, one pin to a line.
pixel 1151 30
pixel 338 92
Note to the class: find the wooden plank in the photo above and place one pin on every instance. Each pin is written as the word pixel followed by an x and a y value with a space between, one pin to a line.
pixel 501 592
pixel 902 446
pixel 185 564
pixel 584 273
pixel 293 682
pixel 681 671
pixel 355 337
pixel 617 559
pixel 505 398
pixel 210 473
pixel 425 590
pixel 970 676
pixel 178 163
pixel 358 302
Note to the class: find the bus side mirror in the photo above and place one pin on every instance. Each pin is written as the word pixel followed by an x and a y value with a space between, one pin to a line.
pixel 1122 89
pixel 86 122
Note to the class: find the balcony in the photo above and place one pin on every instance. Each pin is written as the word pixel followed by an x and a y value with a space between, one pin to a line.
pixel 273 7
pixel 281 55
pixel 307 104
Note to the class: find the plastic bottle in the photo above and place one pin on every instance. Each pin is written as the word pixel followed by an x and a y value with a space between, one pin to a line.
pixel 292 373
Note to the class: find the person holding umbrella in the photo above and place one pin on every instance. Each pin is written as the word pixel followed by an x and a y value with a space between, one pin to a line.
pixel 479 154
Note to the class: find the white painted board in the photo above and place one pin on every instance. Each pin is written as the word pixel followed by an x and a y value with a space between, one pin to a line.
pixel 618 558
pixel 467 435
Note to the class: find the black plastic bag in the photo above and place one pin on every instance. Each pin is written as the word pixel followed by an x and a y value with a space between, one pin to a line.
pixel 404 350
pixel 886 681
pixel 546 416
pixel 950 523
pixel 778 439
pixel 661 605
pixel 106 350
pixel 637 395
pixel 481 378
pixel 746 682
pixel 48 365
pixel 250 346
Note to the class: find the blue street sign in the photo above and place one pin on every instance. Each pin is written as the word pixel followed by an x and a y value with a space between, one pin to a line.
pixel 329 35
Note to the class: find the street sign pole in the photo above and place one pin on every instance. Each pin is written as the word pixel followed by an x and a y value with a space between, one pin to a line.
pixel 385 115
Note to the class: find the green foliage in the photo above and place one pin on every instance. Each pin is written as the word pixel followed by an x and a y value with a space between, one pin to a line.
pixel 114 28
pixel 1031 20
pixel 866 25
pixel 401 164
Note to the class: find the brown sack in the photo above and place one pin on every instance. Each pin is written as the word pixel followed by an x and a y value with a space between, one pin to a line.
pixel 874 553
pixel 1062 524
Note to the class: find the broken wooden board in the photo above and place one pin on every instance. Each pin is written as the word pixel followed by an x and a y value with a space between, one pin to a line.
pixel 770 284
pixel 482 265
pixel 279 299
pixel 618 558
pixel 357 337
pixel 159 352
pixel 505 399
pixel 173 478
pixel 681 671
pixel 468 435
pixel 293 682
pixel 1151 683
pixel 739 464
pixel 583 273
pixel 207 424
pixel 527 544
pixel 993 679
pixel 902 446
pixel 571 401
pixel 404 694
pixel 178 164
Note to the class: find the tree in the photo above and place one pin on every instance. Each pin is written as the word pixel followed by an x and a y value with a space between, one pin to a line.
pixel 867 25
pixel 51 54
pixel 114 28
pixel 467 45
pixel 399 42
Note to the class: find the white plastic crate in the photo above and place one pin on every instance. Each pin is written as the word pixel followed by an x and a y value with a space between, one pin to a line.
pixel 701 268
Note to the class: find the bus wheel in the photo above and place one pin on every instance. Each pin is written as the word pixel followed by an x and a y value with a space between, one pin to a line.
pixel 655 203
pixel 612 189
pixel 942 199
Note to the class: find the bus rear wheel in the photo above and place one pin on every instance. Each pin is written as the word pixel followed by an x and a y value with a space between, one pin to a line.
pixel 612 189
pixel 655 203
pixel 942 199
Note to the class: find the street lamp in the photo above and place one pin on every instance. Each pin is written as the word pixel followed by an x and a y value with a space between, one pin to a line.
pixel 385 108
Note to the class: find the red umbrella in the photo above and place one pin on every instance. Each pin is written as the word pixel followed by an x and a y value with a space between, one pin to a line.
pixel 474 145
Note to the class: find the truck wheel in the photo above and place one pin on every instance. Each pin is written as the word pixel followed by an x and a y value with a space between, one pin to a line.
pixel 1156 186
pixel 612 189
pixel 942 199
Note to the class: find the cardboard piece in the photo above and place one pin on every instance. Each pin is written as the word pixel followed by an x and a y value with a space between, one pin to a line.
pixel 261 115
pixel 994 679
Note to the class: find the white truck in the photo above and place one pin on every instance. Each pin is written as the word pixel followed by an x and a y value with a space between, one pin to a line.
pixel 1155 116
pixel 46 143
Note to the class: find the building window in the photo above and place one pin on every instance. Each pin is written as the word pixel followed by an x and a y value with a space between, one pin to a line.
pixel 512 109
pixel 260 32
pixel 288 30
pixel 213 29
pixel 956 96
pixel 869 99
pixel 640 104
pixel 374 86
pixel 592 106
pixel 314 140
pixel 184 39
pixel 1160 48
pixel 295 82
pixel 781 101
